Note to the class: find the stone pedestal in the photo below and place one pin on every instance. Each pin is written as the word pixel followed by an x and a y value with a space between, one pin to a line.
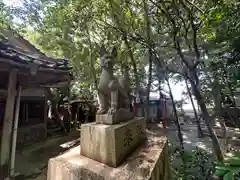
pixel 111 144
pixel 148 162
pixel 120 116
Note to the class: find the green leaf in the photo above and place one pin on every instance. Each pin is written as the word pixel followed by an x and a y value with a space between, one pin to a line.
pixel 228 176
pixel 187 156
pixel 220 172
pixel 235 170
pixel 223 167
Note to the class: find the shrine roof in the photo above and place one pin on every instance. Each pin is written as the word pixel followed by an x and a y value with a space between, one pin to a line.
pixel 18 50
pixel 34 67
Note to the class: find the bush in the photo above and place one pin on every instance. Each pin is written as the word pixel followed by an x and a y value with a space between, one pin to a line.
pixel 230 168
pixel 191 165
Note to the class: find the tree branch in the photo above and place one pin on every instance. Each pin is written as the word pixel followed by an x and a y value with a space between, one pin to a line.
pixel 198 8
pixel 194 29
pixel 161 64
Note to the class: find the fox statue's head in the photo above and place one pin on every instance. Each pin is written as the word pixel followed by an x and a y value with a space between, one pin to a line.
pixel 107 60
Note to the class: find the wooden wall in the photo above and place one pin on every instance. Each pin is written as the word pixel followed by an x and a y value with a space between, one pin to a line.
pixel 30 129
pixel 30 134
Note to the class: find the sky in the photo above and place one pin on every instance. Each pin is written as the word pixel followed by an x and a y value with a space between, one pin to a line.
pixel 177 89
pixel 12 2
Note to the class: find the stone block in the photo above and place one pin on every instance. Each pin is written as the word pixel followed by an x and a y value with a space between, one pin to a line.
pixel 148 162
pixel 111 144
pixel 120 116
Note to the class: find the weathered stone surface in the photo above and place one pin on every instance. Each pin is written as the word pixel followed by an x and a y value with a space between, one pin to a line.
pixel 120 116
pixel 148 162
pixel 111 144
pixel 117 91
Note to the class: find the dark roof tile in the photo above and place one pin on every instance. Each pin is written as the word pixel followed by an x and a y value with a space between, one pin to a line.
pixel 19 50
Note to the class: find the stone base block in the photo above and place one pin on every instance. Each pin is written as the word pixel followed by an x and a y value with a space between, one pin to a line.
pixel 120 116
pixel 148 162
pixel 111 144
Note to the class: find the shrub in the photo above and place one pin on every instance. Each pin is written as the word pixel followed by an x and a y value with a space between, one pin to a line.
pixel 191 165
pixel 229 169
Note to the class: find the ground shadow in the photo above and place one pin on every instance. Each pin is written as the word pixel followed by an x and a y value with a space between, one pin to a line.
pixel 32 176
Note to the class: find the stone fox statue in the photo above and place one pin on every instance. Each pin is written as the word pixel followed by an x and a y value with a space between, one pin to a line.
pixel 113 93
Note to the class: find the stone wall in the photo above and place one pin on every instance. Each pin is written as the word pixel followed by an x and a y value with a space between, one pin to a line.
pixel 161 170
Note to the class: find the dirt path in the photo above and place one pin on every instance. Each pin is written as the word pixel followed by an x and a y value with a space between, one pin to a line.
pixel 191 141
pixel 32 162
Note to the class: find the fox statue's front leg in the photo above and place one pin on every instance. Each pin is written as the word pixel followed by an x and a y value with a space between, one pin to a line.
pixel 103 109
pixel 114 86
pixel 114 102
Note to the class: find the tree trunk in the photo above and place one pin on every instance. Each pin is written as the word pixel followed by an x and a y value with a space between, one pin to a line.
pixel 149 85
pixel 176 115
pixel 69 108
pixel 206 117
pixel 200 132
pixel 232 95
pixel 134 65
pixel 160 117
pixel 93 71
pixel 216 91
pixel 150 53
pixel 55 108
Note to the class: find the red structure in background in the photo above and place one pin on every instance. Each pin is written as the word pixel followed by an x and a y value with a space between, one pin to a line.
pixel 134 110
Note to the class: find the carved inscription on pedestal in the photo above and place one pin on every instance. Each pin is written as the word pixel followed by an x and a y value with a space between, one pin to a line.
pixel 128 137
pixel 140 131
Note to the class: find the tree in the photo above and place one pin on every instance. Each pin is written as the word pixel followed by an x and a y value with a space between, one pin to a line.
pixel 187 22
pixel 198 41
pixel 176 115
pixel 162 77
pixel 200 132
pixel 150 53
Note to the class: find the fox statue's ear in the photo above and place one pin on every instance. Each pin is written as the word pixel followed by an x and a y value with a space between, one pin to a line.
pixel 114 52
pixel 102 51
